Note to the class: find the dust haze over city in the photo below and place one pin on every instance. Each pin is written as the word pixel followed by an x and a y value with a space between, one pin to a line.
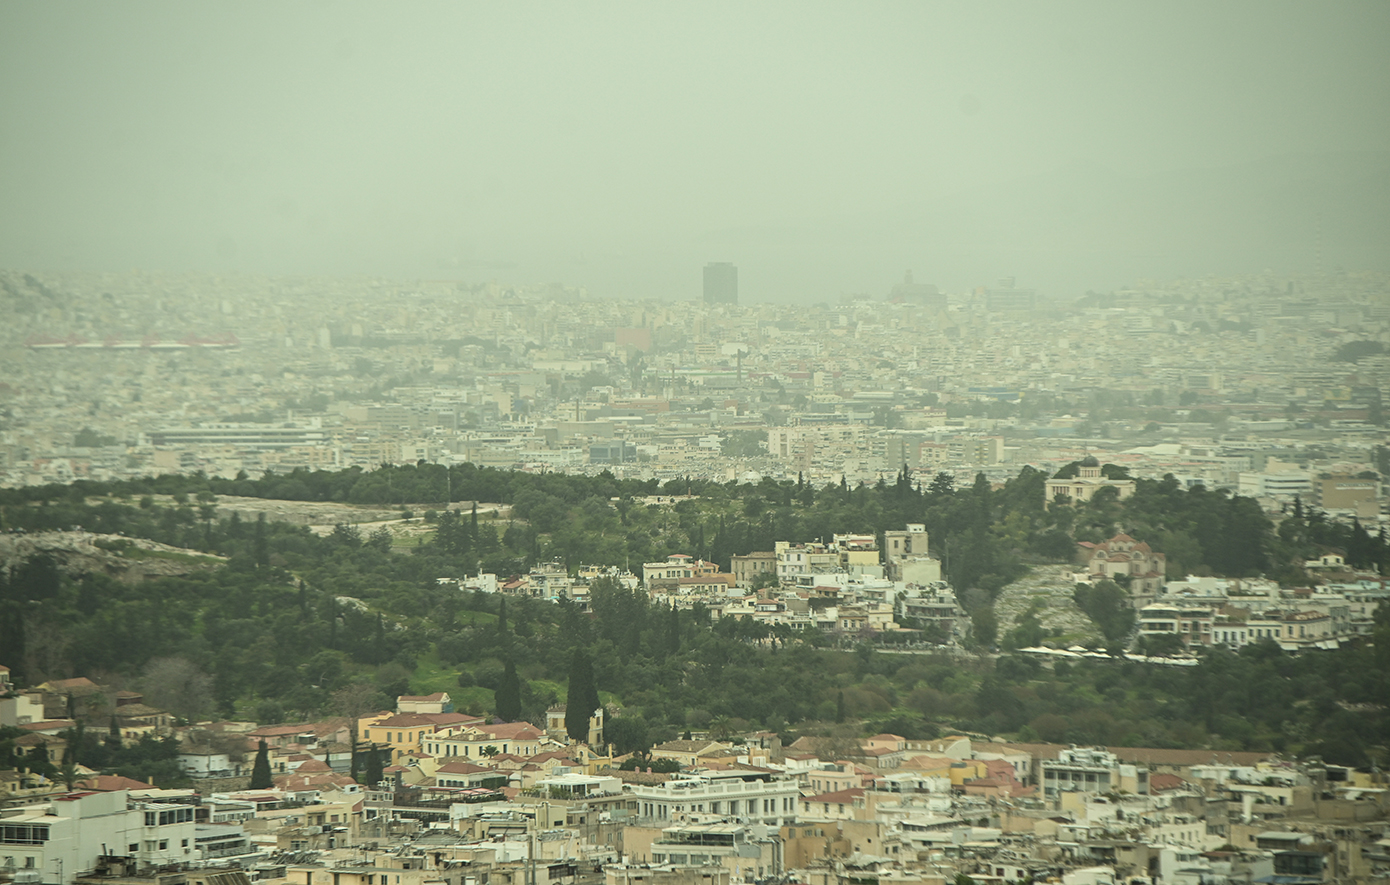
pixel 823 148
pixel 694 444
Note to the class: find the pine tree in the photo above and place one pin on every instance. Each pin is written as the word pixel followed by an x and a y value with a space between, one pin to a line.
pixel 260 771
pixel 509 695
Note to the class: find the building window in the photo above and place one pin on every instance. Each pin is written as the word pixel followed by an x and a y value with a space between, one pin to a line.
pixel 24 834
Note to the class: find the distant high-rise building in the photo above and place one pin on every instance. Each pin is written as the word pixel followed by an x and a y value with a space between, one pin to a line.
pixel 920 294
pixel 721 283
pixel 1007 297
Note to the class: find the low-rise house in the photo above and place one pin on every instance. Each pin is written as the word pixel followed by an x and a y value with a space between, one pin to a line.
pixel 839 805
pixel 138 719
pixel 667 575
pixel 688 753
pixel 748 569
pixel 1194 625
pixel 407 733
pixel 832 777
pixel 468 775
pixel 79 696
pixel 439 702
pixel 934 608
pixel 48 729
pixel 478 741
pixel 18 787
pixel 555 725
pixel 20 709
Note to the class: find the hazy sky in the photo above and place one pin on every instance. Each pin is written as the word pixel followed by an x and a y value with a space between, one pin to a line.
pixel 823 148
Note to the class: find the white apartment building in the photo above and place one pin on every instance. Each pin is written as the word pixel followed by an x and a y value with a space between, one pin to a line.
pixel 63 839
pixel 797 560
pixel 742 796
pixel 1091 770
pixel 1280 480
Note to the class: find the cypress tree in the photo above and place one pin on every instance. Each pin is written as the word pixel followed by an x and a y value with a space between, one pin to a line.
pixel 673 631
pixel 509 695
pixel 260 547
pixel 260 771
pixel 374 768
pixel 582 698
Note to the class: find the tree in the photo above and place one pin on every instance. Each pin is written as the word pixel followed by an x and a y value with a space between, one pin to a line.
pixel 942 484
pixel 628 734
pixel 355 700
pixel 179 686
pixel 260 771
pixel 842 743
pixel 1355 351
pixel 509 695
pixel 374 772
pixel 658 766
pixel 37 761
pixel 260 547
pixel 88 438
pixel 1162 646
pixel 582 698
pixel 1108 606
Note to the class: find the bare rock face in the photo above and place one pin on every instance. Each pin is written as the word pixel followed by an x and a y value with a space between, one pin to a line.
pixel 130 560
pixel 1046 591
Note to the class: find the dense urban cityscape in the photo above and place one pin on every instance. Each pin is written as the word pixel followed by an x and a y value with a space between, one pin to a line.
pixel 611 443
pixel 326 405
pixel 1255 384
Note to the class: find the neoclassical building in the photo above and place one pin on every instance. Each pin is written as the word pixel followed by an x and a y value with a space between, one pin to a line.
pixel 1086 483
pixel 1122 556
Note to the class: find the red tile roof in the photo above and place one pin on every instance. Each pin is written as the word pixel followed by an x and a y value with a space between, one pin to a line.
pixel 108 783
pixel 839 797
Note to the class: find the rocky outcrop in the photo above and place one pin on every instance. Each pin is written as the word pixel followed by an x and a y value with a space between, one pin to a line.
pixel 1048 590
pixel 127 559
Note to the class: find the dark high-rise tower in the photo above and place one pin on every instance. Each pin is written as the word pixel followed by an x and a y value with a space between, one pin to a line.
pixel 721 283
